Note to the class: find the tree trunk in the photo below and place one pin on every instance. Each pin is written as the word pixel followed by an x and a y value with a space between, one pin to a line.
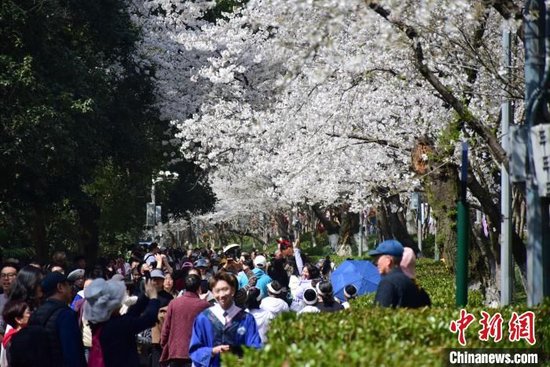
pixel 392 223
pixel 88 217
pixel 38 234
pixel 282 225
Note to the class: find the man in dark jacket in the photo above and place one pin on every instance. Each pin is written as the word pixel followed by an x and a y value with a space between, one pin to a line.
pixel 395 288
pixel 178 324
pixel 60 322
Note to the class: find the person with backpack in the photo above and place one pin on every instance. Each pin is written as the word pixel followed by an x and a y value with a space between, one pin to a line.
pixel 55 322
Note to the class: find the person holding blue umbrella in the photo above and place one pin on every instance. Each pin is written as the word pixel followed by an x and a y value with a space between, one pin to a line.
pixel 395 288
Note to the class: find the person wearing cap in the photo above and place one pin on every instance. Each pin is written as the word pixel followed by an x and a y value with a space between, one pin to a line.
pixel 310 275
pixel 274 302
pixel 178 324
pixel 76 280
pixel 327 303
pixel 350 292
pixel 60 321
pixel 222 328
pixel 309 301
pixel 262 279
pixel 395 288
pixel 157 278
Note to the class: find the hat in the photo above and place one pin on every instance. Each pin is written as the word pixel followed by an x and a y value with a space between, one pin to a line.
pixel 350 291
pixel 187 264
pixel 388 247
pixel 118 276
pixel 50 282
pixel 162 248
pixel 157 273
pixel 231 246
pixel 259 261
pixel 75 275
pixel 201 263
pixel 408 262
pixel 102 298
pixel 284 244
pixel 310 296
pixel 272 289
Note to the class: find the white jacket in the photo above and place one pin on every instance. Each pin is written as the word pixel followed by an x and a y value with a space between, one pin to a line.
pixel 274 305
pixel 262 318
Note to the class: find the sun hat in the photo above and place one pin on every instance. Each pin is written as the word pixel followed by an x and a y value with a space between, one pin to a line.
pixel 102 298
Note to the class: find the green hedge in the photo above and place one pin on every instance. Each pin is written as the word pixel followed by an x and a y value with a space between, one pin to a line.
pixel 370 336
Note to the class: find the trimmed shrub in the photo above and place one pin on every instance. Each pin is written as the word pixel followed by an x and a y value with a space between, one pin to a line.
pixel 366 335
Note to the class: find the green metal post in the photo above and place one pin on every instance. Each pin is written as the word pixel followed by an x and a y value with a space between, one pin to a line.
pixel 463 232
pixel 462 255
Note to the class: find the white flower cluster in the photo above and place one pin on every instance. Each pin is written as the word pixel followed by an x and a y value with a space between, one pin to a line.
pixel 287 102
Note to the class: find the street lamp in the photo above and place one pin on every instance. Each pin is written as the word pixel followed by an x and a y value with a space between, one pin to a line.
pixel 154 211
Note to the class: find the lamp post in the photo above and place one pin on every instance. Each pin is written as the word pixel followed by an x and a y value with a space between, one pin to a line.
pixel 153 210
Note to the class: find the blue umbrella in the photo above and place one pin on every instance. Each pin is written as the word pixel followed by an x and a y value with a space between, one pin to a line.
pixel 361 273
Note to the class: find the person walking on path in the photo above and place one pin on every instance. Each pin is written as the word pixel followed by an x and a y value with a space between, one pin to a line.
pixel 114 335
pixel 223 327
pixel 60 321
pixel 178 324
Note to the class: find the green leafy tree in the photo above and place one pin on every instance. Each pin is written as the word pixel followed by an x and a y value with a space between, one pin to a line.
pixel 79 138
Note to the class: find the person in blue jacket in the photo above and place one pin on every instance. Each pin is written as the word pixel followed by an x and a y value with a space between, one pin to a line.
pixel 262 278
pixel 223 327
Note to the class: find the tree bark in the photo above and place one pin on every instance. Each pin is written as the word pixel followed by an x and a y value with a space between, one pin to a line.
pixel 39 234
pixel 392 223
pixel 88 217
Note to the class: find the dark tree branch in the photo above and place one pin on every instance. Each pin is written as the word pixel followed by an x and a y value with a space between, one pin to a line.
pixel 365 139
pixel 473 123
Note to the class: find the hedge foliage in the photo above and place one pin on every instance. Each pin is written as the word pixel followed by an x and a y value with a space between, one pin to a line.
pixel 367 335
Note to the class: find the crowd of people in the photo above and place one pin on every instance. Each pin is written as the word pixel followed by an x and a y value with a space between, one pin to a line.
pixel 165 307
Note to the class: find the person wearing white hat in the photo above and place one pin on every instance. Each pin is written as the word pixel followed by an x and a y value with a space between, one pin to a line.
pixel 262 279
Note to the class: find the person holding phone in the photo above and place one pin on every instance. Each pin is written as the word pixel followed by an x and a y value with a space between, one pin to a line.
pixel 223 327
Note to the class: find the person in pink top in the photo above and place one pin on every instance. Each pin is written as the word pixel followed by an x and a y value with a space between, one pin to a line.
pixel 408 262
pixel 178 324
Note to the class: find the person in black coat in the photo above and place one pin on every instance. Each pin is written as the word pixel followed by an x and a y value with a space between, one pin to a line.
pixel 116 333
pixel 395 288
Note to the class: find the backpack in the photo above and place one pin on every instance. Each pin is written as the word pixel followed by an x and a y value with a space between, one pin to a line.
pixel 31 338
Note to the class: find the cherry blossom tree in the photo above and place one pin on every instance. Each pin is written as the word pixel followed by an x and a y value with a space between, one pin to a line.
pixel 289 103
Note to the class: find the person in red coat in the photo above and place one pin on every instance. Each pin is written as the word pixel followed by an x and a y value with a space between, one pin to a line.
pixel 178 324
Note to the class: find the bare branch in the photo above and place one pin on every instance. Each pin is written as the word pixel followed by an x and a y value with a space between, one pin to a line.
pixel 475 124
